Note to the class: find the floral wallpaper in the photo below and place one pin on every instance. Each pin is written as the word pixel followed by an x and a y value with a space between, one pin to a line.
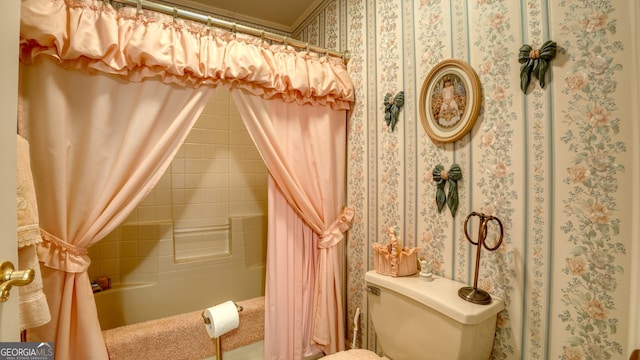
pixel 539 142
pixel 551 163
pixel 591 140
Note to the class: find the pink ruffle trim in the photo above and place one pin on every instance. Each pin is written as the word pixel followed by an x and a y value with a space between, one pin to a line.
pixel 393 261
pixel 95 38
pixel 60 255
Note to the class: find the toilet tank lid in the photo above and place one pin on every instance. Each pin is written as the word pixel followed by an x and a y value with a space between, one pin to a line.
pixel 441 294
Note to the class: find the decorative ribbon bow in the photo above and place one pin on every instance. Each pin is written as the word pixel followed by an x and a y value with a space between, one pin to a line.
pixel 392 105
pixel 535 62
pixel 440 176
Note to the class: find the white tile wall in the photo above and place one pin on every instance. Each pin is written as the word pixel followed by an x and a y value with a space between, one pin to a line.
pixel 217 174
pixel 148 271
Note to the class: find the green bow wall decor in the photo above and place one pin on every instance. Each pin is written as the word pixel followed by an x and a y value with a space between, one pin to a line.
pixel 392 105
pixel 440 176
pixel 535 62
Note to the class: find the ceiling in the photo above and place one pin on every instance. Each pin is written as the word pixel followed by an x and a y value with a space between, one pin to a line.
pixel 281 15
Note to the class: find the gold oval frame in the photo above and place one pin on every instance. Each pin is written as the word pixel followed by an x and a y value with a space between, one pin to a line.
pixel 466 86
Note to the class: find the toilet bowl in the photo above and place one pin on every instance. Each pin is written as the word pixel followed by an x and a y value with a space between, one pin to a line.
pixel 418 319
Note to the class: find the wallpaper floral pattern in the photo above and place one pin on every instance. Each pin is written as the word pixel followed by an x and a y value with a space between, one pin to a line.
pixel 591 139
pixel 537 113
pixel 493 41
pixel 430 50
pixel 388 20
pixel 548 163
pixel 462 156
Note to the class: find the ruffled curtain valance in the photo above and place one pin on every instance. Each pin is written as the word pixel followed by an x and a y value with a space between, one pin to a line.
pixel 92 36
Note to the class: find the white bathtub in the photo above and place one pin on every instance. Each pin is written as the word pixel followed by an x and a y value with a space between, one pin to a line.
pixel 154 284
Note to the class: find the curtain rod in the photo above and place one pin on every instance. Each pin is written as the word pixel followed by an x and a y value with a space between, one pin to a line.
pixel 175 12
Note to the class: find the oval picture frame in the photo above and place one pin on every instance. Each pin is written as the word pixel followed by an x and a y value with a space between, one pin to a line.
pixel 450 100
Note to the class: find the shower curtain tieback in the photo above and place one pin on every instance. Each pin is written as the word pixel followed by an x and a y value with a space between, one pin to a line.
pixel 322 320
pixel 335 233
pixel 60 255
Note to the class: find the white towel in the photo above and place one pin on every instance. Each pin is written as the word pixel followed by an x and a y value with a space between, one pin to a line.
pixel 34 309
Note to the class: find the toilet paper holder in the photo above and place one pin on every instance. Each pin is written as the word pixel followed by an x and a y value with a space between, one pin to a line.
pixel 207 321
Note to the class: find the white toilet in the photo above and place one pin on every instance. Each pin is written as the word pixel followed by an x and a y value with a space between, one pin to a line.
pixel 418 319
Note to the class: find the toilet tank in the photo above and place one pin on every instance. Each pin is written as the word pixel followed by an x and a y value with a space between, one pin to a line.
pixel 417 319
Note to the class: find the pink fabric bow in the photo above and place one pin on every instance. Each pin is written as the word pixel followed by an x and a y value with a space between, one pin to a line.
pixel 335 233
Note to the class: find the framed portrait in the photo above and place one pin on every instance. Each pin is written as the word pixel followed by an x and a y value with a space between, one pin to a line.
pixel 450 100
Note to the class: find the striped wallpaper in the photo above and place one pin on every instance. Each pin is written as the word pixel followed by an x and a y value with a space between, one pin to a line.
pixel 553 164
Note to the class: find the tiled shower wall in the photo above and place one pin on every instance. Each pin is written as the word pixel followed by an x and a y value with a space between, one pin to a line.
pixel 152 285
pixel 216 175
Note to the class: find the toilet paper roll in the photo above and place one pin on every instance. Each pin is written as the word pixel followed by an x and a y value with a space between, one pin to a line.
pixel 222 319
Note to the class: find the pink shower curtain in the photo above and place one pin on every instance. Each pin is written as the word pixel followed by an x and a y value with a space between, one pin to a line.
pixel 100 148
pixel 304 148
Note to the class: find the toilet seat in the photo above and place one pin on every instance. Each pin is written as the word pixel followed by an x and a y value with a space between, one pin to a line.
pixel 354 354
